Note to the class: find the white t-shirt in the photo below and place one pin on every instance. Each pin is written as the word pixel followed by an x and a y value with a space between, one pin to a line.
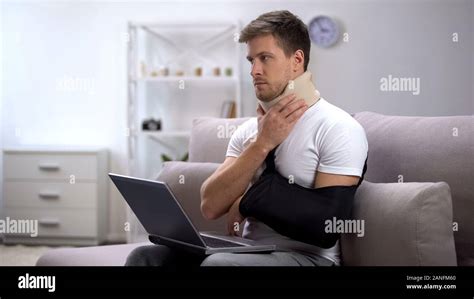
pixel 326 139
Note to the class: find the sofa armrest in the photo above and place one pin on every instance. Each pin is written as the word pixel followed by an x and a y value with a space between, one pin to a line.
pixel 107 255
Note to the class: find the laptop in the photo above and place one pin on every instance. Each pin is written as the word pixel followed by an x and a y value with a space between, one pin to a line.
pixel 167 223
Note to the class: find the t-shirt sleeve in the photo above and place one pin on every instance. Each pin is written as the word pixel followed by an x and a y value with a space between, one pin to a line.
pixel 344 149
pixel 240 138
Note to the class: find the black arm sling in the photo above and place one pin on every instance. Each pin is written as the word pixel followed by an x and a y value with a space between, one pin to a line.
pixel 296 211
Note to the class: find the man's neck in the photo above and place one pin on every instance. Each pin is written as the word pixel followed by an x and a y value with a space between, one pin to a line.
pixel 302 86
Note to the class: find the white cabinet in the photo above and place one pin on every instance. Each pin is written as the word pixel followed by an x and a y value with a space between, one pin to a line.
pixel 63 191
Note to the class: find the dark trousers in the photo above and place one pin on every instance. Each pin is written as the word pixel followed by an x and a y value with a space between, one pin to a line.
pixel 161 255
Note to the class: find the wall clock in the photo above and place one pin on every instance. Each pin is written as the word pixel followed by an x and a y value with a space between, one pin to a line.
pixel 323 31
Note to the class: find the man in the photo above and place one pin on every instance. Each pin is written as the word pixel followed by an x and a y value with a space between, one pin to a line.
pixel 319 145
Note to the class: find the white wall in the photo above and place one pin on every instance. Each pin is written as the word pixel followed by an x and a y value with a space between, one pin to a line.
pixel 44 43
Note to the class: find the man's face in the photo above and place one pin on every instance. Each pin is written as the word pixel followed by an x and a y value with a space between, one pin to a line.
pixel 271 69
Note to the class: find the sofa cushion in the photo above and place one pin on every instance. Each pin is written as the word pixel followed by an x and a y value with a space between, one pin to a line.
pixel 405 224
pixel 109 255
pixel 427 149
pixel 210 137
pixel 185 180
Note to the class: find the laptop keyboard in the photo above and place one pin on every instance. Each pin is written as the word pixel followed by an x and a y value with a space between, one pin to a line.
pixel 219 243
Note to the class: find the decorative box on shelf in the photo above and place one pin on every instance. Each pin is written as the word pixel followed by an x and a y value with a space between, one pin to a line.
pixel 60 191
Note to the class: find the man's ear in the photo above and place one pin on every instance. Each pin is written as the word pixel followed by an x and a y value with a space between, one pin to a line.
pixel 298 60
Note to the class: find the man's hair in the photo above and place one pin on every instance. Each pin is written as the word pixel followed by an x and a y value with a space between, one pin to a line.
pixel 289 31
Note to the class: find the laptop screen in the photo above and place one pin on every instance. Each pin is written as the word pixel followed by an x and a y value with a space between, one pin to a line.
pixel 157 209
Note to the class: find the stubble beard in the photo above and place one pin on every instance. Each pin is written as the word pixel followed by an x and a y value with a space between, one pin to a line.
pixel 273 93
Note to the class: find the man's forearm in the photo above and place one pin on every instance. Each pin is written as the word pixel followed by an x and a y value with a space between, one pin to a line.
pixel 222 188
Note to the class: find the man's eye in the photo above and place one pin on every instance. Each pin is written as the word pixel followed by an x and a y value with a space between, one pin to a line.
pixel 264 58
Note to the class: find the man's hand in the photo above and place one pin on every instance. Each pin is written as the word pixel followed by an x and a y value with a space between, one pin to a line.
pixel 276 124
pixel 234 219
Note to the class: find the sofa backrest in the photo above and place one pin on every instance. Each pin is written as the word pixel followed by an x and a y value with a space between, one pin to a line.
pixel 210 137
pixel 401 149
pixel 427 149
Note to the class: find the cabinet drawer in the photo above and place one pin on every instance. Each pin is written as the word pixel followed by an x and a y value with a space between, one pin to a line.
pixel 58 223
pixel 49 166
pixel 49 195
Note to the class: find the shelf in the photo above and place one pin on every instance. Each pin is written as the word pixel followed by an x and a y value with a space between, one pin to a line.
pixel 187 78
pixel 182 25
pixel 165 134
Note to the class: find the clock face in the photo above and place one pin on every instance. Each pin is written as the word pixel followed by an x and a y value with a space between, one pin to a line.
pixel 323 31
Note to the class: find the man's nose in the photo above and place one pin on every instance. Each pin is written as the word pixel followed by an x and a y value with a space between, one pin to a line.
pixel 256 69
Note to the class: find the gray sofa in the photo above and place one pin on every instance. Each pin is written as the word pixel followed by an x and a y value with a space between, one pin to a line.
pixel 417 199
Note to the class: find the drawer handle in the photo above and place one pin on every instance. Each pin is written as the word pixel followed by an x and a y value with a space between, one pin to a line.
pixel 48 195
pixel 49 222
pixel 48 167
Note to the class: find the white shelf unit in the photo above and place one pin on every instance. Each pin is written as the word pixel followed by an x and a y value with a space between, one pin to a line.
pixel 174 99
pixel 187 78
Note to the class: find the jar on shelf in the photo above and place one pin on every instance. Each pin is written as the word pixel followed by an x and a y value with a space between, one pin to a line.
pixel 198 71
pixel 154 73
pixel 164 71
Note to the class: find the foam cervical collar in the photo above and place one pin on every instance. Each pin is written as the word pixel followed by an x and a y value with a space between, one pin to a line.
pixel 302 86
